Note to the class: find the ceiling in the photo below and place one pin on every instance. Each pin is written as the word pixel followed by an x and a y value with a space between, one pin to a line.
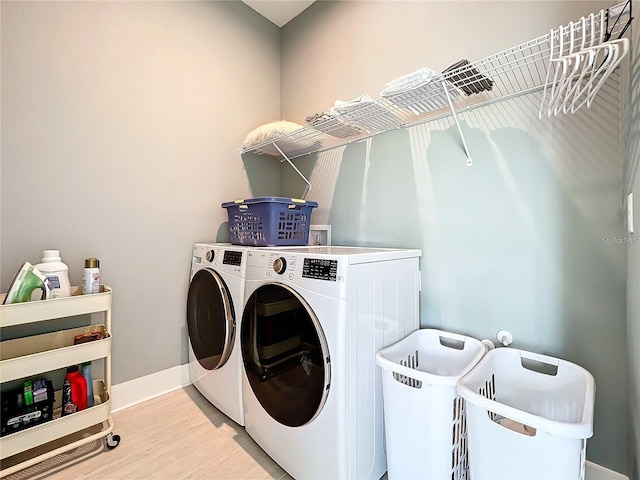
pixel 279 12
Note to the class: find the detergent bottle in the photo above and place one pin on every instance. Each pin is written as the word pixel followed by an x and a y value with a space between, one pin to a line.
pixel 74 391
pixel 57 273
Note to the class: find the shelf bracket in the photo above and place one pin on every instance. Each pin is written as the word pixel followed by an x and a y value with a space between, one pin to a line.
pixel 455 118
pixel 308 188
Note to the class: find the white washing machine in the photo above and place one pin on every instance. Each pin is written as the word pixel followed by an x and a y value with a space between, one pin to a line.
pixel 214 306
pixel 313 321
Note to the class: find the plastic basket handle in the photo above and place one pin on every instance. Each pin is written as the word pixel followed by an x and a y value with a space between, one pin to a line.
pixel 457 340
pixel 545 365
pixel 413 374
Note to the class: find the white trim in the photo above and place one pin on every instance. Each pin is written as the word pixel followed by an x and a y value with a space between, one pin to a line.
pixel 138 390
pixel 593 471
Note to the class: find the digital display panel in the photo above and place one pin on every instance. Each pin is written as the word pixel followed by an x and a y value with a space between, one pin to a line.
pixel 320 269
pixel 232 258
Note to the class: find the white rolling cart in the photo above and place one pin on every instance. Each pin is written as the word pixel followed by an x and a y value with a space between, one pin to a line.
pixel 26 357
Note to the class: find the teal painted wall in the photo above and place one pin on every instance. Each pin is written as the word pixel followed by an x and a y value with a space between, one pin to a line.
pixel 530 238
pixel 527 239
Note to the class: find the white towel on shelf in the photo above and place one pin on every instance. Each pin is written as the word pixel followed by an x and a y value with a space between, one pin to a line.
pixel 367 113
pixel 341 106
pixel 409 81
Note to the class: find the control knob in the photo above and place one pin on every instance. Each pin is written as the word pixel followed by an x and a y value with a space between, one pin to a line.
pixel 279 265
pixel 211 254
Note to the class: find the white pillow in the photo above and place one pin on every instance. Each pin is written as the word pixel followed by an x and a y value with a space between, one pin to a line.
pixel 271 131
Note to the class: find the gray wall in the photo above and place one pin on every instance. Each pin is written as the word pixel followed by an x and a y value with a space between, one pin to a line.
pixel 121 123
pixel 523 240
pixel 632 184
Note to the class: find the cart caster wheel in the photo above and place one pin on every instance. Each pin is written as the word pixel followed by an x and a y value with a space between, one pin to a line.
pixel 112 441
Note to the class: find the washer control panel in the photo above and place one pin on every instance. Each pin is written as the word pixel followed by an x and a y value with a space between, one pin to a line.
pixel 320 269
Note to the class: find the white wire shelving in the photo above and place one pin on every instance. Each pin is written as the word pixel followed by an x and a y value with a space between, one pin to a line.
pixel 519 70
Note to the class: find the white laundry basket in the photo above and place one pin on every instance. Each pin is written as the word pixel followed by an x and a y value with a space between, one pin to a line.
pixel 529 416
pixel 425 426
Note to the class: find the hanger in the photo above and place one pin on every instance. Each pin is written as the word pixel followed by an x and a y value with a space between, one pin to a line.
pixel 604 55
pixel 555 70
pixel 587 55
pixel 581 59
pixel 592 67
pixel 570 61
pixel 613 51
pixel 621 51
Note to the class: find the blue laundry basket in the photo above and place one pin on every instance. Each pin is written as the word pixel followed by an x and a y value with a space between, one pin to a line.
pixel 269 221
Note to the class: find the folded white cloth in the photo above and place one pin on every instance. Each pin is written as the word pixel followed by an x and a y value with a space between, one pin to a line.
pixel 367 113
pixel 341 106
pixel 316 117
pixel 409 81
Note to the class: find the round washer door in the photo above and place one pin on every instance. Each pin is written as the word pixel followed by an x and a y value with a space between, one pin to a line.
pixel 210 319
pixel 285 354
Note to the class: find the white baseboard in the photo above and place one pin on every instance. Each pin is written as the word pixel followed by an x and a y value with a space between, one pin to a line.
pixel 133 392
pixel 593 471
pixel 127 394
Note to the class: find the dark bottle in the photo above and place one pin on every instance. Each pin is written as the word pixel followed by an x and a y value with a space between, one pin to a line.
pixel 86 373
pixel 74 391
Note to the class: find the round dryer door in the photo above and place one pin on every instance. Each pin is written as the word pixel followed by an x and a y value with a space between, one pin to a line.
pixel 210 319
pixel 285 355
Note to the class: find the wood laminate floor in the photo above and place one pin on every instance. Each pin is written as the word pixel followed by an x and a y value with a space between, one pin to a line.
pixel 176 436
pixel 179 435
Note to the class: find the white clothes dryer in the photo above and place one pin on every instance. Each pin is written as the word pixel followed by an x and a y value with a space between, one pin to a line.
pixel 313 320
pixel 214 304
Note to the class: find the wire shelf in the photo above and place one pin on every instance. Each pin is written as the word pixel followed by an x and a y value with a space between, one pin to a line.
pixel 519 70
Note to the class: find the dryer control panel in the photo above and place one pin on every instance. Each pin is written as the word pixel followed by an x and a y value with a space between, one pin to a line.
pixel 320 269
pixel 286 266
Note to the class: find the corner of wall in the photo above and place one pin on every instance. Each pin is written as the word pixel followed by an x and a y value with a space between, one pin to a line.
pixel 631 139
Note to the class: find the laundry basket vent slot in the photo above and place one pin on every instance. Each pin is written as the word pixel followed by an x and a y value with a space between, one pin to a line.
pixel 459 457
pixel 517 427
pixel 292 225
pixel 411 362
pixel 489 391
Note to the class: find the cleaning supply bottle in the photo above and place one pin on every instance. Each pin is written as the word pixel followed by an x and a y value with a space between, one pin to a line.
pixel 91 276
pixel 57 273
pixel 74 391
pixel 28 392
pixel 86 373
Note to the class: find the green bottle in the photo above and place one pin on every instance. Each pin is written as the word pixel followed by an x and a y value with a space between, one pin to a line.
pixel 28 393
